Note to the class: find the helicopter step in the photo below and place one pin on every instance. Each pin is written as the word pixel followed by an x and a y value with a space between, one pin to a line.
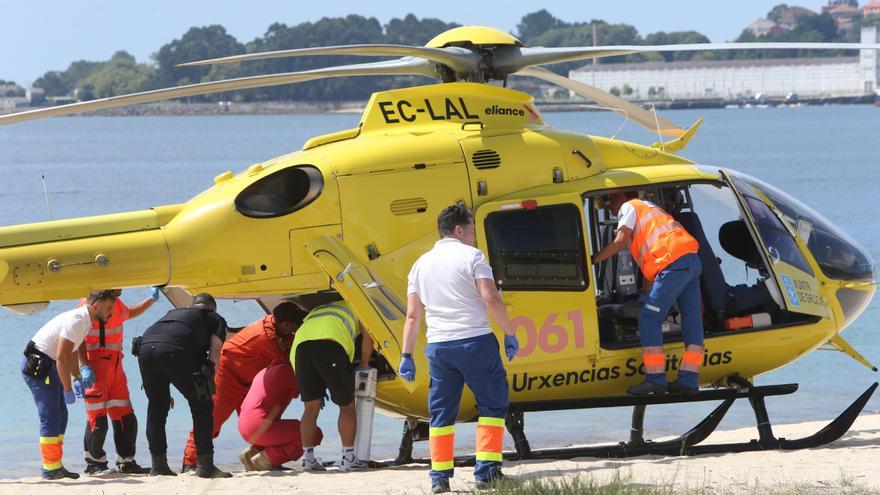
pixel 686 444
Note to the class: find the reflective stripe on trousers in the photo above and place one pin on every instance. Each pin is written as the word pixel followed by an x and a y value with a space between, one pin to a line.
pixel 654 359
pixel 442 442
pixel 97 406
pixel 490 438
pixel 693 358
pixel 51 449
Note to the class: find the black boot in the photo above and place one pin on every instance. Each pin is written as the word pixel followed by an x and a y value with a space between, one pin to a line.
pixel 207 469
pixel 160 466
pixel 677 388
pixel 647 388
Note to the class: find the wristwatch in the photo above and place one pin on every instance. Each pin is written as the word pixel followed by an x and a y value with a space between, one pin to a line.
pixel 406 355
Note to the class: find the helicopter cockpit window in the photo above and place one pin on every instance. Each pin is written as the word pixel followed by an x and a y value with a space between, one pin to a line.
pixel 838 255
pixel 537 249
pixel 281 192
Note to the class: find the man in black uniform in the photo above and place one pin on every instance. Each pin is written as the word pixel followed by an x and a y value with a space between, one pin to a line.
pixel 182 349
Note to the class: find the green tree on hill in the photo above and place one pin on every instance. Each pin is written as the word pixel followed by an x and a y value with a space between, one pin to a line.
pixel 679 38
pixel 412 31
pixel 119 75
pixel 776 12
pixel 198 43
pixel 537 23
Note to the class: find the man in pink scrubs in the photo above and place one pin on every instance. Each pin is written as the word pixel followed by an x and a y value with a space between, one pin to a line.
pixel 273 441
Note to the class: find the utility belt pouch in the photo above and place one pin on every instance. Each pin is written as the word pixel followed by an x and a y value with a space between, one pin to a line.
pixel 203 383
pixel 37 364
pixel 136 346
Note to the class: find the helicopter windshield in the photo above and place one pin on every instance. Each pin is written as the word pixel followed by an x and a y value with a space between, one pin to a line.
pixel 838 255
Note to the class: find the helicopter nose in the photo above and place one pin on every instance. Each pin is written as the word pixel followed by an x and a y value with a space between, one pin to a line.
pixel 842 258
pixel 853 301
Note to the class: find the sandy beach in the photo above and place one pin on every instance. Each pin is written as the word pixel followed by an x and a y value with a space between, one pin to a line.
pixel 849 464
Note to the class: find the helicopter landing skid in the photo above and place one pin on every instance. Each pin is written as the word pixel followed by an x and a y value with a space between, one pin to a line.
pixel 686 444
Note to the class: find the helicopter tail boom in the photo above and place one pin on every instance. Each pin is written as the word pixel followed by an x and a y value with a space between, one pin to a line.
pixel 65 259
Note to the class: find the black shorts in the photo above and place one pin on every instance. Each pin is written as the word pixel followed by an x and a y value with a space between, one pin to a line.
pixel 321 365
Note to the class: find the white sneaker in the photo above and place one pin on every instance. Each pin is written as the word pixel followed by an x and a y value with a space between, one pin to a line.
pixel 352 465
pixel 314 465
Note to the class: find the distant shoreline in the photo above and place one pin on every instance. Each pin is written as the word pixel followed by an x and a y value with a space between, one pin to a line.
pixel 357 107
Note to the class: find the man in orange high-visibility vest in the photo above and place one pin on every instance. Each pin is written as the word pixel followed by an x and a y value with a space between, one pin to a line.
pixel 109 395
pixel 666 254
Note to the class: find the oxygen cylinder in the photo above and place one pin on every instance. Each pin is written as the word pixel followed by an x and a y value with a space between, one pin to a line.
pixel 365 407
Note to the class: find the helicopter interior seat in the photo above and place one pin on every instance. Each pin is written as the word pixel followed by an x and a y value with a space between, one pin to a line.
pixel 721 298
pixel 736 239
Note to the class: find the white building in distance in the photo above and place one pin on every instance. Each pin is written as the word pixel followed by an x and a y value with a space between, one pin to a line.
pixel 735 79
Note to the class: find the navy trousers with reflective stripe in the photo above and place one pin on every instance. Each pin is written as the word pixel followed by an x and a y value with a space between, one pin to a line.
pixel 679 282
pixel 49 398
pixel 474 361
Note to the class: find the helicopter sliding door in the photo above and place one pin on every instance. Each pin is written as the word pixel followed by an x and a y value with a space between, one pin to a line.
pixel 537 251
pixel 779 247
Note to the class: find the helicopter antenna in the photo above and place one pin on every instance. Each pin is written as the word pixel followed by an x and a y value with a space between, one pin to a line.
pixel 657 120
pixel 46 195
pixel 620 111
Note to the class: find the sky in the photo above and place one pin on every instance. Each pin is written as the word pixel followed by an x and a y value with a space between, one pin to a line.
pixel 48 35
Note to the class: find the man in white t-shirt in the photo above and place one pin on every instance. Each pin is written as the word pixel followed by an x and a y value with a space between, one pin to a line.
pixel 454 287
pixel 51 358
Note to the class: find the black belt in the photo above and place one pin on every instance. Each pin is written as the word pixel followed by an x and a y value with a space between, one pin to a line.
pixel 166 339
pixel 31 349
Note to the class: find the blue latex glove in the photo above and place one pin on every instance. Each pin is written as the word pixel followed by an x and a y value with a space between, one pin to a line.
pixel 154 293
pixel 88 376
pixel 511 346
pixel 79 389
pixel 69 397
pixel 407 369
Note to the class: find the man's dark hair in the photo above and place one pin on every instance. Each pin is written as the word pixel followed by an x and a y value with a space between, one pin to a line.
pixel 631 194
pixel 101 295
pixel 288 312
pixel 457 214
pixel 205 300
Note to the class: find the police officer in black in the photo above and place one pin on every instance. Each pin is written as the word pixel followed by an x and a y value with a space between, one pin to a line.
pixel 182 349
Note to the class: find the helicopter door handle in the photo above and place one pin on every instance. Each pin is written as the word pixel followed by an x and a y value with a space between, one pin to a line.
pixel 774 253
pixel 341 275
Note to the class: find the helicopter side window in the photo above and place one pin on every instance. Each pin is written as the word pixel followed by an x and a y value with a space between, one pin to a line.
pixel 281 192
pixel 537 249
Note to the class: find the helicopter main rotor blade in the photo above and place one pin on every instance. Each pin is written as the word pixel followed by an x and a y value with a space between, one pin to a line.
pixel 643 117
pixel 403 66
pixel 459 59
pixel 512 59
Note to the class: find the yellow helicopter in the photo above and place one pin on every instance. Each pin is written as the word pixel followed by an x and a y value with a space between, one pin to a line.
pixel 351 211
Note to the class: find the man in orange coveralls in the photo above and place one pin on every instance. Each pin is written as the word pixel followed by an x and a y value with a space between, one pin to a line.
pixel 256 346
pixel 274 441
pixel 109 395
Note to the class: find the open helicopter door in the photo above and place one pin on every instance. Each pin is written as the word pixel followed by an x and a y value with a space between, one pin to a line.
pixel 377 309
pixel 537 251
pixel 796 284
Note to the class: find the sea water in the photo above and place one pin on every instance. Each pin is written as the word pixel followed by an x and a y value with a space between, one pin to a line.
pixel 826 156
